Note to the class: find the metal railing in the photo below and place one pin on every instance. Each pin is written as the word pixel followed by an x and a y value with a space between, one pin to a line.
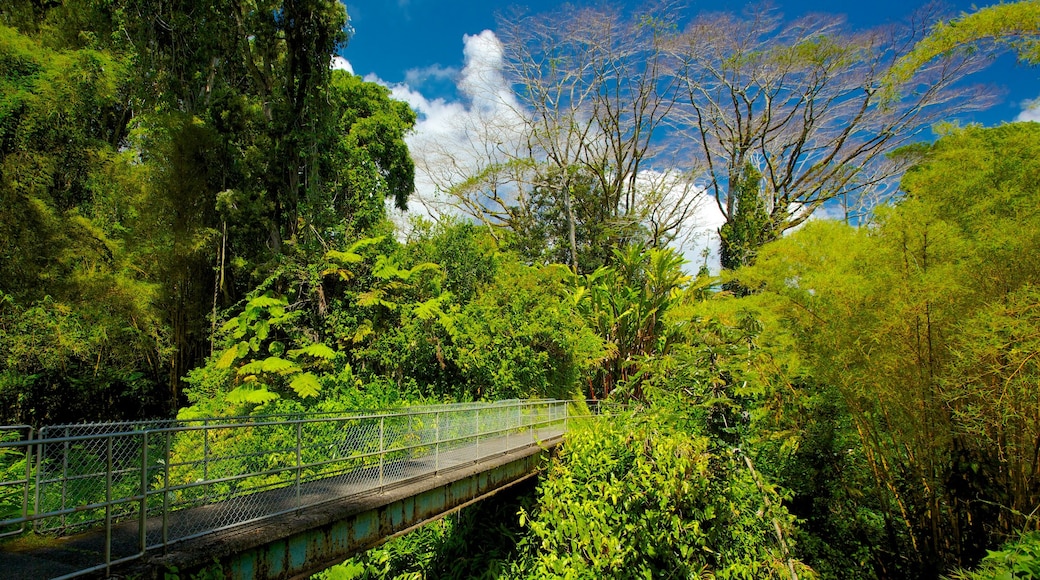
pixel 156 483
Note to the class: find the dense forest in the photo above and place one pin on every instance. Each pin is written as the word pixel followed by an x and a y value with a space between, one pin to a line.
pixel 194 221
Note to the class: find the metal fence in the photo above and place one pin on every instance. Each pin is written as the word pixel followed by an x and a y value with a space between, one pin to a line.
pixel 155 483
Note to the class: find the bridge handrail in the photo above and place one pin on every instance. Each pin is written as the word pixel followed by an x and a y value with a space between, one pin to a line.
pixel 133 472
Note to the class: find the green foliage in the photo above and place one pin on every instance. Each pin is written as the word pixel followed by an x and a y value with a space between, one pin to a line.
pixel 540 229
pixel 259 365
pixel 913 340
pixel 465 252
pixel 749 227
pixel 625 304
pixel 1015 25
pixel 372 161
pixel 643 497
pixel 184 165
pixel 1017 559
pixel 523 337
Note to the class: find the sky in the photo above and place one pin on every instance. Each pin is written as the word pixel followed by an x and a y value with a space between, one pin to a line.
pixel 431 53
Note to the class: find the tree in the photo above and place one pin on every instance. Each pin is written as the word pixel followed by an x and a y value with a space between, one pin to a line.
pixel 580 108
pixel 1015 25
pixel 922 329
pixel 523 336
pixel 749 228
pixel 80 333
pixel 626 303
pixel 201 148
pixel 800 101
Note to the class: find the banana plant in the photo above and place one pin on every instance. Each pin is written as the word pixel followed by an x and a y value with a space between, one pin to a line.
pixel 625 303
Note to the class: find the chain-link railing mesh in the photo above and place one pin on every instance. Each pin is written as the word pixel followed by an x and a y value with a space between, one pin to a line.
pixel 173 480
pixel 15 489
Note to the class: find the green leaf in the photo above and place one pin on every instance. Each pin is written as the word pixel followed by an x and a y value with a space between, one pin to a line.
pixel 275 364
pixel 230 325
pixel 246 394
pixel 365 242
pixel 363 330
pixel 266 301
pixel 386 268
pixel 263 328
pixel 251 368
pixel 227 358
pixel 429 309
pixel 306 385
pixel 317 350
pixel 342 258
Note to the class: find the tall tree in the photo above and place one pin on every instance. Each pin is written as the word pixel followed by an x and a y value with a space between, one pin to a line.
pixel 583 96
pixel 801 102
pixel 1015 25
pixel 210 140
pixel 79 332
pixel 923 327
pixel 749 228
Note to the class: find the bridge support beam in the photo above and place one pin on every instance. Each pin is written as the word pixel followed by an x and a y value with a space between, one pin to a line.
pixel 297 545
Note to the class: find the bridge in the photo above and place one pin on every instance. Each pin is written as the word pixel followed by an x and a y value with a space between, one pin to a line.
pixel 257 497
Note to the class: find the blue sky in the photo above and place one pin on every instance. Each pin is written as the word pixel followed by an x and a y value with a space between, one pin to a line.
pixel 393 37
pixel 439 56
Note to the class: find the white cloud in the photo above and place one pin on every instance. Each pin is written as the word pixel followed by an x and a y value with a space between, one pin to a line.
pixel 454 139
pixel 683 200
pixel 1030 111
pixel 418 76
pixel 340 63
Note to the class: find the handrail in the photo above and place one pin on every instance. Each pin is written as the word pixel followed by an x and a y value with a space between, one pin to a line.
pixel 245 469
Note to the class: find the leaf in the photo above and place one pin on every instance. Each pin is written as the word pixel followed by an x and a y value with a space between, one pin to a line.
pixel 266 301
pixel 386 268
pixel 365 242
pixel 375 298
pixel 227 358
pixel 229 325
pixel 246 394
pixel 363 330
pixel 407 274
pixel 263 328
pixel 317 350
pixel 275 364
pixel 342 258
pixel 251 368
pixel 429 309
pixel 306 385
pixel 579 293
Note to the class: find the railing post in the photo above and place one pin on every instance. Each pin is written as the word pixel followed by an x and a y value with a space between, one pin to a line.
pixel 205 459
pixel 476 451
pixel 108 505
pixel 39 468
pixel 28 477
pixel 530 419
pixel 64 475
pixel 166 494
pixel 382 452
pixel 143 515
pixel 437 443
pixel 299 457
